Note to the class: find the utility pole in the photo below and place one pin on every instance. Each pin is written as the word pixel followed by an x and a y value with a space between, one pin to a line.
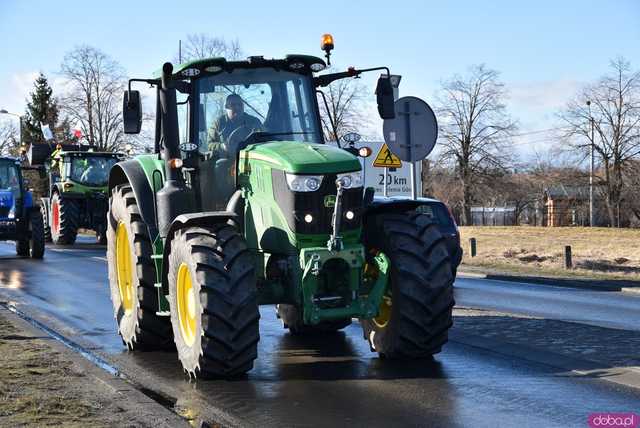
pixel 3 111
pixel 591 168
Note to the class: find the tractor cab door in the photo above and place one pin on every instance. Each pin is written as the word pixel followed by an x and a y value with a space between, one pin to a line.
pixel 10 189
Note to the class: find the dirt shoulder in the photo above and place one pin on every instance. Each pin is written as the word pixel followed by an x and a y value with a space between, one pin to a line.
pixel 597 253
pixel 43 383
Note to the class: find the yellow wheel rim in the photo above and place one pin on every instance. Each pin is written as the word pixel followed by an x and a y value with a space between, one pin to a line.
pixel 384 313
pixel 124 267
pixel 186 305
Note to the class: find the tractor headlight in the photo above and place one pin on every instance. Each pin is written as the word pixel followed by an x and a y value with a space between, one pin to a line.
pixel 303 183
pixel 350 180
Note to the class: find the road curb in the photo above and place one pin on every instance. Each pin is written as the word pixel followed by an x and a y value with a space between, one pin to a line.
pixel 627 376
pixel 586 284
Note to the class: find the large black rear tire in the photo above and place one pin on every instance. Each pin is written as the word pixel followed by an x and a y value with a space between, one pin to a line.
pixel 414 321
pixel 64 220
pixel 292 319
pixel 213 300
pixel 135 311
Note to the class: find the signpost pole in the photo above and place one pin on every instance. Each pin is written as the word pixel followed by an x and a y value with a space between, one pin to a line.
pixel 386 184
pixel 414 186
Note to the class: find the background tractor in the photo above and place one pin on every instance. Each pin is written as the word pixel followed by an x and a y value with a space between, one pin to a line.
pixel 221 220
pixel 76 191
pixel 20 218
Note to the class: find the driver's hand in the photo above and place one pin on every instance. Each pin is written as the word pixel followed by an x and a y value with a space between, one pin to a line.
pixel 218 149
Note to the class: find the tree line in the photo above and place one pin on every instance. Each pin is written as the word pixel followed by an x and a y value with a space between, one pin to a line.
pixel 476 165
pixel 475 162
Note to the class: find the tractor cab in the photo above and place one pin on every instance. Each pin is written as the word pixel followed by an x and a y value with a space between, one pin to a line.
pixel 83 168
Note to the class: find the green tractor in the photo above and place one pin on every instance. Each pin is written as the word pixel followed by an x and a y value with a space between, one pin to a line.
pixel 77 192
pixel 243 205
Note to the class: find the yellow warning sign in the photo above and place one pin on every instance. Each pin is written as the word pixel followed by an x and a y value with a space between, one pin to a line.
pixel 386 159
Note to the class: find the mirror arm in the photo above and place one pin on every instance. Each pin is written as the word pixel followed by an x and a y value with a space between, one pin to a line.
pixel 326 79
pixel 151 82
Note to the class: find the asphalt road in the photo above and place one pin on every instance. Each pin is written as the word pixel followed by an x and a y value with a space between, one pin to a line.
pixel 335 379
pixel 603 309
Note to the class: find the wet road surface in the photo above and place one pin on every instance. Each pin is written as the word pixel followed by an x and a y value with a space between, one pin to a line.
pixel 335 379
pixel 600 308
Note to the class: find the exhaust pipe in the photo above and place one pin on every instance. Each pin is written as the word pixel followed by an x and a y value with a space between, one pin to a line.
pixel 174 198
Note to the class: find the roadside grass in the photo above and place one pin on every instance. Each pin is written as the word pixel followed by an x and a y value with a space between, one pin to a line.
pixel 597 253
pixel 34 386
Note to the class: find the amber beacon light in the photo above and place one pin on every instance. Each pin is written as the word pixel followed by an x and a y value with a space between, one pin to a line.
pixel 327 46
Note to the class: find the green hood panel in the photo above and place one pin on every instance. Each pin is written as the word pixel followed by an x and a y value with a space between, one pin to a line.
pixel 303 158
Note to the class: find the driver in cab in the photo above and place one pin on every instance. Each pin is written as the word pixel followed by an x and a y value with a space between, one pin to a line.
pixel 222 137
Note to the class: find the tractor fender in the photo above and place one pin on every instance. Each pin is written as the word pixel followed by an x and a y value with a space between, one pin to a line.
pixel 191 220
pixel 131 172
pixel 385 206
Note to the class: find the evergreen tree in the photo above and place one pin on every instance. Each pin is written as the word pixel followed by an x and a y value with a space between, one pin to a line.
pixel 42 108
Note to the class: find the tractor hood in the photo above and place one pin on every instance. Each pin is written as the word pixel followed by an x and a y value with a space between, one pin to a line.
pixel 302 158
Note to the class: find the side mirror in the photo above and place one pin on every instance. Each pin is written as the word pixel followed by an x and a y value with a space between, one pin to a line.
pixel 384 96
pixel 132 112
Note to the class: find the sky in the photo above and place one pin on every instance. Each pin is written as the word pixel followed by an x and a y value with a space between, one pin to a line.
pixel 544 50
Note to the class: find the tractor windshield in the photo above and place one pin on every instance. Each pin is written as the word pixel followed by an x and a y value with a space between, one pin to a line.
pixel 9 179
pixel 91 170
pixel 233 105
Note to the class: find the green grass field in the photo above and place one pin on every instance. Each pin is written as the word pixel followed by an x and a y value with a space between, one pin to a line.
pixel 597 252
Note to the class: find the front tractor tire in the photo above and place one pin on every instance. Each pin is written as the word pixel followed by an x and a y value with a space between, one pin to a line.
pixel 416 312
pixel 33 246
pixel 132 276
pixel 213 301
pixel 64 220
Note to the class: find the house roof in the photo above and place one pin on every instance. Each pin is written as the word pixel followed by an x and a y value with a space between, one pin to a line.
pixel 562 191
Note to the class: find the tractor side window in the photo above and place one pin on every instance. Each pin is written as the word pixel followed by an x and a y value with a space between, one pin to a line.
pixel 9 177
pixel 298 116
pixel 183 116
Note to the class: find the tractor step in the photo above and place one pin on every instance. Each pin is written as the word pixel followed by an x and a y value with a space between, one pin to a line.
pixel 156 256
pixel 157 284
pixel 163 313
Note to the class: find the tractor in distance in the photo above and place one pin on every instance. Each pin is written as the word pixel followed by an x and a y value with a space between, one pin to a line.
pixel 20 217
pixel 76 191
pixel 243 205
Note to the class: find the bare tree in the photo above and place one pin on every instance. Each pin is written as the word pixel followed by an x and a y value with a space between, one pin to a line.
pixel 93 99
pixel 475 129
pixel 345 109
pixel 615 111
pixel 9 139
pixel 200 46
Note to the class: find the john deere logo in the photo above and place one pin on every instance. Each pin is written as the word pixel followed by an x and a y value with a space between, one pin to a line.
pixel 330 201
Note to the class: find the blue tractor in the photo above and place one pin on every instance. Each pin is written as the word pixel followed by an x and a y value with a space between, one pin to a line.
pixel 20 219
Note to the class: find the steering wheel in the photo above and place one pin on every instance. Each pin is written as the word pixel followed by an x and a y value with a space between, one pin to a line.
pixel 236 137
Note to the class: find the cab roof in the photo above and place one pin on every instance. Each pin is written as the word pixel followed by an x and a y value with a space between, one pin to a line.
pixel 299 63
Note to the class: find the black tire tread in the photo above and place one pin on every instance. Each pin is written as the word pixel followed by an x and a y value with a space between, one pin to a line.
pixel 151 331
pixel 422 281
pixel 224 268
pixel 69 215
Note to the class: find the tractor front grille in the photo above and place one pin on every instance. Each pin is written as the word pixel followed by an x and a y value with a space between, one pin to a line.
pixel 297 205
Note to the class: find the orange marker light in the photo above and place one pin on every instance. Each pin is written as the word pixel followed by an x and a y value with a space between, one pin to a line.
pixel 364 152
pixel 175 163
